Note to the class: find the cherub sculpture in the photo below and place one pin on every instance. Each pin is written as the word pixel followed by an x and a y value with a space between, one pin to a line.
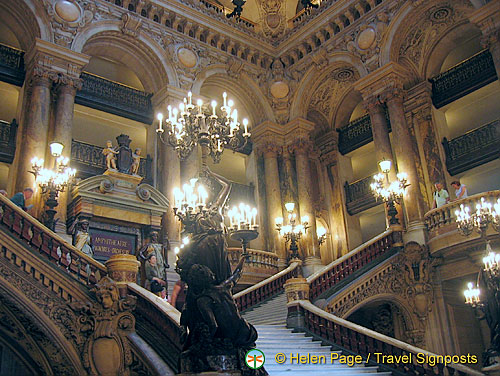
pixel 134 168
pixel 110 153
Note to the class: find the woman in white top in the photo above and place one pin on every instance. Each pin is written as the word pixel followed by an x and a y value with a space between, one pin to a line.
pixel 460 189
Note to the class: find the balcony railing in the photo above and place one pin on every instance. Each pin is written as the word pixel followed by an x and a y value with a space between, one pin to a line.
pixel 8 133
pixel 357 133
pixel 473 149
pixel 341 271
pixel 89 161
pixel 115 98
pixel 23 227
pixel 266 289
pixel 158 323
pixel 462 79
pixel 362 341
pixel 259 266
pixel 11 65
pixel 445 215
pixel 359 195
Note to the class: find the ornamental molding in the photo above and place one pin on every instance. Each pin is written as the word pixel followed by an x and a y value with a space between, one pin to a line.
pixel 406 278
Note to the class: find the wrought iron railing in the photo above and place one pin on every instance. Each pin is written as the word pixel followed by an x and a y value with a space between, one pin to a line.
pixel 89 161
pixel 23 227
pixel 367 343
pixel 473 149
pixel 339 270
pixel 8 133
pixel 462 79
pixel 359 195
pixel 357 133
pixel 115 98
pixel 11 65
pixel 266 289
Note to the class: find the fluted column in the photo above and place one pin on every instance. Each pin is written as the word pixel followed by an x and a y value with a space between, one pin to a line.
pixel 273 197
pixel 406 158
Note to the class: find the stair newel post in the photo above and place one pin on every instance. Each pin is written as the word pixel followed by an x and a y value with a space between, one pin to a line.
pixel 296 288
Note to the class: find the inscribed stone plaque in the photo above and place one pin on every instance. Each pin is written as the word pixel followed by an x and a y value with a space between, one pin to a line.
pixel 109 243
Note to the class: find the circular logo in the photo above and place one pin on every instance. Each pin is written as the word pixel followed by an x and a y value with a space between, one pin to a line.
pixel 255 359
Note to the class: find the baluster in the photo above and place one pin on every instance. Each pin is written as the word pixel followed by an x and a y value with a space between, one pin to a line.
pixel 46 243
pixel 17 223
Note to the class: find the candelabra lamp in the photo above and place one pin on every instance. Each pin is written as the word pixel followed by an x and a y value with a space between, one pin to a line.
pixel 389 191
pixel 293 231
pixel 321 233
pixel 190 205
pixel 52 181
pixel 484 297
pixel 243 225
pixel 190 125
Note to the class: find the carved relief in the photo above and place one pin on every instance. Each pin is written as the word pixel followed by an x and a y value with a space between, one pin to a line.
pixel 105 326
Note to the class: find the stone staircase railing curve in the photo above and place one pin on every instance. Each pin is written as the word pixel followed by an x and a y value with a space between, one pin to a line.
pixel 366 342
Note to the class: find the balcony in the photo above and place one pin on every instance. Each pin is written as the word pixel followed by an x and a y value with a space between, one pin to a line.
pixel 359 196
pixel 473 149
pixel 442 227
pixel 89 161
pixel 462 79
pixel 357 133
pixel 261 265
pixel 8 133
pixel 11 65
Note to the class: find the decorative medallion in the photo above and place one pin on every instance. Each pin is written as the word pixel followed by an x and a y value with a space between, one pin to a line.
pixel 106 186
pixel 279 89
pixel 344 74
pixel 187 57
pixel 143 193
pixel 366 38
pixel 440 14
pixel 67 10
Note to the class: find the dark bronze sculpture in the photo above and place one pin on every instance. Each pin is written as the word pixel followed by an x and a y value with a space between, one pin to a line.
pixel 217 337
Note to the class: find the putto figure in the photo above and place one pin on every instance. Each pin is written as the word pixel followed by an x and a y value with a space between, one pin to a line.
pixel 110 153
pixel 134 168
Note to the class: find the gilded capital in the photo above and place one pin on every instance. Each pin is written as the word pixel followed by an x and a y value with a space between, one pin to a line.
pixel 269 148
pixel 300 146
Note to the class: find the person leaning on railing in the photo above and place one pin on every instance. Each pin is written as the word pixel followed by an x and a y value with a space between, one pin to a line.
pixel 20 198
pixel 460 189
pixel 441 196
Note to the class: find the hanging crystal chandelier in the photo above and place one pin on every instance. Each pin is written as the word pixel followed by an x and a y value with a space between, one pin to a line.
pixel 485 214
pixel 188 125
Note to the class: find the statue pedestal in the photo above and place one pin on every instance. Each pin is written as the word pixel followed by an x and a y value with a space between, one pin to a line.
pixel 123 269
pixel 134 179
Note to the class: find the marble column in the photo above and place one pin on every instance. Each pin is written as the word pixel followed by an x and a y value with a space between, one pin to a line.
pixel 35 127
pixel 406 161
pixel 382 144
pixel 273 197
pixel 63 132
pixel 311 252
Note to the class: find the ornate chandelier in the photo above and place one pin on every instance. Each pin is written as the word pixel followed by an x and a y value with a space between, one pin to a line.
pixel 190 125
pixel 485 215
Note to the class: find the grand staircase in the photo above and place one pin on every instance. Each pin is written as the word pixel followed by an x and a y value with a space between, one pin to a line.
pixel 269 318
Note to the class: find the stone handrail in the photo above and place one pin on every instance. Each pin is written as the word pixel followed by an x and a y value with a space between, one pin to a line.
pixel 257 258
pixel 158 323
pixel 363 341
pixel 40 239
pixel 341 268
pixel 445 215
pixel 265 289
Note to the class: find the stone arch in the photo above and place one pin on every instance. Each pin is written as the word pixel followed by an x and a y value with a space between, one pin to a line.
pixel 141 54
pixel 415 33
pixel 54 353
pixel 27 19
pixel 346 106
pixel 244 89
pixel 315 76
pixel 409 319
